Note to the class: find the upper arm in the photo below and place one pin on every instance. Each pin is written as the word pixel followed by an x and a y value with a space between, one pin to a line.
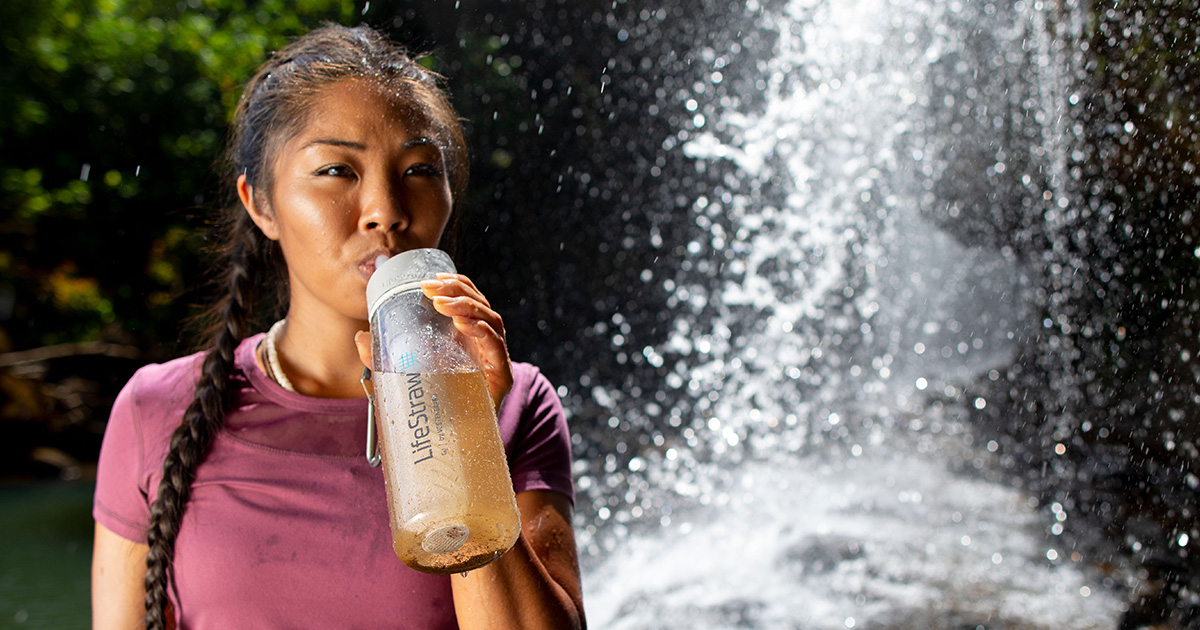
pixel 537 438
pixel 118 571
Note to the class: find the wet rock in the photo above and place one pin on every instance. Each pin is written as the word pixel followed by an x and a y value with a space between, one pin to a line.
pixel 817 555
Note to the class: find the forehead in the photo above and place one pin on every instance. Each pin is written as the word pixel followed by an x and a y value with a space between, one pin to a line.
pixel 360 109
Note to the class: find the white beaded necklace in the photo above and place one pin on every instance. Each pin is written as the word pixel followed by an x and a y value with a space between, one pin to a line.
pixel 273 357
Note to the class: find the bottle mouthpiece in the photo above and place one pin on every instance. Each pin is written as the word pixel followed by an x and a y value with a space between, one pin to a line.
pixel 404 272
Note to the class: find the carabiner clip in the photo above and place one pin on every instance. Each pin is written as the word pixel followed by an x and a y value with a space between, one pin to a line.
pixel 373 457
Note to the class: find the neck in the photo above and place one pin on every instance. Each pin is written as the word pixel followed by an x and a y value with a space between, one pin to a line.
pixel 318 354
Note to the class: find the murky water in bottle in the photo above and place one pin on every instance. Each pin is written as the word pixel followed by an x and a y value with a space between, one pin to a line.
pixel 451 507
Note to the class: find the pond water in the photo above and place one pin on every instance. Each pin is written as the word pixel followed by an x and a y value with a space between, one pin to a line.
pixel 46 557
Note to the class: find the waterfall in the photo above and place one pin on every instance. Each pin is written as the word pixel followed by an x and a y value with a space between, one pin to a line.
pixel 818 470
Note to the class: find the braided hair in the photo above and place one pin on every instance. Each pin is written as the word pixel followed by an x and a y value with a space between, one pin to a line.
pixel 274 107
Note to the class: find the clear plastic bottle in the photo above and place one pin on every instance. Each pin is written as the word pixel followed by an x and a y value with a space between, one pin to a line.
pixel 450 496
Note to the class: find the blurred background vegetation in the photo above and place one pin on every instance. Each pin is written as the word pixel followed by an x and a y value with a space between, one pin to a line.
pixel 112 115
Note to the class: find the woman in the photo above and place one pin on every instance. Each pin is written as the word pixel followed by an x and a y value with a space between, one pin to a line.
pixel 232 491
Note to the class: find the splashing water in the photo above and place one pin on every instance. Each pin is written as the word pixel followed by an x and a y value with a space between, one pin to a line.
pixel 825 333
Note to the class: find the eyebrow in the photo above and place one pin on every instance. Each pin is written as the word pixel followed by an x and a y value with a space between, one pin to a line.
pixel 336 143
pixel 416 142
pixel 358 146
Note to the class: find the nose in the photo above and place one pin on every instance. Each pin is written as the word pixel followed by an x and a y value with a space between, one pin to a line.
pixel 382 207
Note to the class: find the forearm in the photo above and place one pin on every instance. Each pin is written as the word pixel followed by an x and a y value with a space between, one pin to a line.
pixel 514 592
pixel 536 584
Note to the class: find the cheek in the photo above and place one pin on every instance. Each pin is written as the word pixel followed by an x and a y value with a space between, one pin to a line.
pixel 313 222
pixel 435 204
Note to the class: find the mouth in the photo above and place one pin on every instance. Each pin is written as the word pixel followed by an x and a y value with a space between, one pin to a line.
pixel 366 266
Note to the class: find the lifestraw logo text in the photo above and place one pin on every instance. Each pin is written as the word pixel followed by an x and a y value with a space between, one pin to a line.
pixel 418 420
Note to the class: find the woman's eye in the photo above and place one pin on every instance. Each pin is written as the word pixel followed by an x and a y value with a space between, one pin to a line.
pixel 424 170
pixel 336 170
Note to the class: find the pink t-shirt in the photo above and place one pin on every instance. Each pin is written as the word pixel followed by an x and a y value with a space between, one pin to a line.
pixel 287 526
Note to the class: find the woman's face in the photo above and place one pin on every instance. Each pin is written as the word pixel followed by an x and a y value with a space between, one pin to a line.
pixel 364 177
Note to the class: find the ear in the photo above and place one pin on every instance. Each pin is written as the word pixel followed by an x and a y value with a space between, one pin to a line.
pixel 264 220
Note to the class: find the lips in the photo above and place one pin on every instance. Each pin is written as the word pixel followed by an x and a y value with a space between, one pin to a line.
pixel 366 266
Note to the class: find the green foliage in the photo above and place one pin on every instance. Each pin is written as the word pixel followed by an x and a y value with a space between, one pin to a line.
pixel 113 114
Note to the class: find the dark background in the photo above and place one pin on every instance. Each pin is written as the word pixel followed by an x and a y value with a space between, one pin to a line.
pixel 112 114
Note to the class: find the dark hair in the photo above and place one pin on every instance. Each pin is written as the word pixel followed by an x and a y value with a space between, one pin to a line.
pixel 275 105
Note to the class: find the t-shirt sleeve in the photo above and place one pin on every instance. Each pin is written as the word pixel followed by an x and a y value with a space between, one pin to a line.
pixel 121 502
pixel 540 452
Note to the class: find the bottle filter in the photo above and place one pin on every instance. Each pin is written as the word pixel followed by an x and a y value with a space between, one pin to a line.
pixel 450 496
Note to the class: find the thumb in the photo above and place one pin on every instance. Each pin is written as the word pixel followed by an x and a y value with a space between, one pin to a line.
pixel 362 340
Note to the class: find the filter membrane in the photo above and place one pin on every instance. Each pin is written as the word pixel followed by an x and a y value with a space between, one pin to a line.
pixel 446 539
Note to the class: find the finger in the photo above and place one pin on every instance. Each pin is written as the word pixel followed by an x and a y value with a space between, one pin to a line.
pixel 465 308
pixel 488 347
pixel 492 354
pixel 454 285
pixel 457 297
pixel 460 278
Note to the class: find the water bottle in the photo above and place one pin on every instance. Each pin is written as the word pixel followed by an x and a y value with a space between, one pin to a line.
pixel 450 496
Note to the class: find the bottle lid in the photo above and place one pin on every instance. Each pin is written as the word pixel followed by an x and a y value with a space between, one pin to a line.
pixel 404 272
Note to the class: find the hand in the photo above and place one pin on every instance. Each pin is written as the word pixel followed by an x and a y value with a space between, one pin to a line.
pixel 482 330
pixel 455 296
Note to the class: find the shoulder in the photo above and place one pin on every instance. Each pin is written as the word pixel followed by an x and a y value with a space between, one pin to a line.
pixel 154 399
pixel 144 415
pixel 159 381
pixel 173 383
pixel 532 395
pixel 528 381
pixel 531 408
pixel 536 437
